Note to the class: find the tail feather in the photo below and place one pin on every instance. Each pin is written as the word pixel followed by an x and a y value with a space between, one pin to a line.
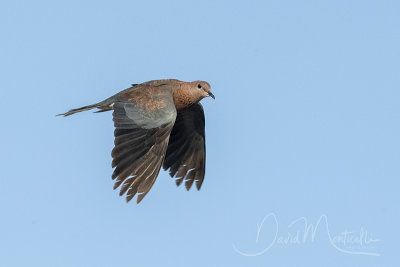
pixel 104 105
pixel 76 110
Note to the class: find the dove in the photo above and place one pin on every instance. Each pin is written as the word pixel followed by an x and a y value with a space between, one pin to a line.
pixel 158 123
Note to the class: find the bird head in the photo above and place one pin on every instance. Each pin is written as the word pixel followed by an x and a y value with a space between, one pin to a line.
pixel 188 93
pixel 202 89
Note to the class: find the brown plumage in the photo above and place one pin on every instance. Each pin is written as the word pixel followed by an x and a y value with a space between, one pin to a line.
pixel 157 123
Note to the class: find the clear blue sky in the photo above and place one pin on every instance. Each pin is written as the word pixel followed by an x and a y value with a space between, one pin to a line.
pixel 306 124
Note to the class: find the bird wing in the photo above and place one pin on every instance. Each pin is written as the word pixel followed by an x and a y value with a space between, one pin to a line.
pixel 186 152
pixel 143 120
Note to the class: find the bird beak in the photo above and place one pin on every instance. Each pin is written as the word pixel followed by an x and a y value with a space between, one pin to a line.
pixel 211 94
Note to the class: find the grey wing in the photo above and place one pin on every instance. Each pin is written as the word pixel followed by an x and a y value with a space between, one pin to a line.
pixel 141 140
pixel 186 152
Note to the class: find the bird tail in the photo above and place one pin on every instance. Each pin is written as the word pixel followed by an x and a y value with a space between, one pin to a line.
pixel 105 105
pixel 76 110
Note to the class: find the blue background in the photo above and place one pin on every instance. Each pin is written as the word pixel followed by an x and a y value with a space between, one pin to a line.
pixel 305 123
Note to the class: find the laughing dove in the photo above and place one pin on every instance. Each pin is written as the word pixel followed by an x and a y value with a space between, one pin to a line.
pixel 156 123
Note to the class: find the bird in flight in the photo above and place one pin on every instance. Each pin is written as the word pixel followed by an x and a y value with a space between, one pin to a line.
pixel 157 123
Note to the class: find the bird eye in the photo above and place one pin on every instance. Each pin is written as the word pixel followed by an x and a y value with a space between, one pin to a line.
pixel 199 86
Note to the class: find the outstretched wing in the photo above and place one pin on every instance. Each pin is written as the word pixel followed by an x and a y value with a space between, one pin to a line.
pixel 143 120
pixel 186 152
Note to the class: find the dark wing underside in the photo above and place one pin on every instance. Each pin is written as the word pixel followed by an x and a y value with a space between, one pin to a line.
pixel 186 152
pixel 141 139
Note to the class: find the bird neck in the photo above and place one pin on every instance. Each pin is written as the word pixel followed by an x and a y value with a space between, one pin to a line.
pixel 183 97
